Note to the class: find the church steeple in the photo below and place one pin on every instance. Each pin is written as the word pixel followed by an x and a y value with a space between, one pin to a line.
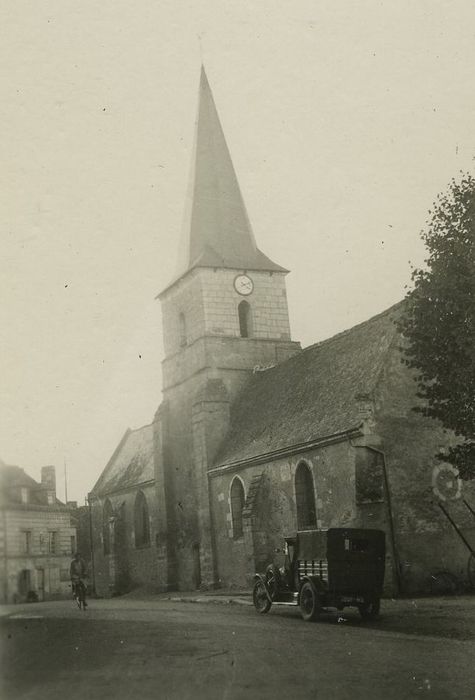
pixel 225 315
pixel 227 291
pixel 220 234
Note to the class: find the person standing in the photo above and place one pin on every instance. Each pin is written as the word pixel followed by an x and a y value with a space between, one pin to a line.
pixel 78 572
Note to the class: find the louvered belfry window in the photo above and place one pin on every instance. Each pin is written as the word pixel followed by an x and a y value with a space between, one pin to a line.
pixel 305 498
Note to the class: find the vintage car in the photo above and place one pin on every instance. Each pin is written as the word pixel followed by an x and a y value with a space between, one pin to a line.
pixel 336 568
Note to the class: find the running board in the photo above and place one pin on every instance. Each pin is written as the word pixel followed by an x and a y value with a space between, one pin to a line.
pixel 283 602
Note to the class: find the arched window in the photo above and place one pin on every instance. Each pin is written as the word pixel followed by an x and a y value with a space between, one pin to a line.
pixel 141 521
pixel 305 498
pixel 245 319
pixel 106 526
pixel 182 329
pixel 237 504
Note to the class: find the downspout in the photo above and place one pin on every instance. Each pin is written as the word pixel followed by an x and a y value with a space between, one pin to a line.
pixel 392 535
pixel 214 549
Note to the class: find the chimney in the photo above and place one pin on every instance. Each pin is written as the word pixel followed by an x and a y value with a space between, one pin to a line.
pixel 48 483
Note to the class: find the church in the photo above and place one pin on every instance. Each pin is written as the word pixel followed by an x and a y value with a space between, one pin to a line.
pixel 257 438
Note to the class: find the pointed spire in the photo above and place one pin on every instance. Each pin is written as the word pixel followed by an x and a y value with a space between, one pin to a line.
pixel 220 234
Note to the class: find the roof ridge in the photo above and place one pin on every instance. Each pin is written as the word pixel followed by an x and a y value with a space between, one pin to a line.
pixel 328 341
pixel 111 460
pixel 146 425
pixel 337 336
pixel 125 444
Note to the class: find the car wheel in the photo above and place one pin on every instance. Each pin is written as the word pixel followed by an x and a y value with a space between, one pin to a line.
pixel 259 595
pixel 310 607
pixel 370 609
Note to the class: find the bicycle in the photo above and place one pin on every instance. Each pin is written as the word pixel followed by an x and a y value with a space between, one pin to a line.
pixel 79 593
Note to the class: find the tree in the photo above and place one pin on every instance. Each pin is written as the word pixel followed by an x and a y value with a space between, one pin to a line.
pixel 439 321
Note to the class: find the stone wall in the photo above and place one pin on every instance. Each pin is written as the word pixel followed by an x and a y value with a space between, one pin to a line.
pixel 127 566
pixel 209 304
pixel 383 480
pixel 427 543
pixel 270 510
pixel 192 420
pixel 175 471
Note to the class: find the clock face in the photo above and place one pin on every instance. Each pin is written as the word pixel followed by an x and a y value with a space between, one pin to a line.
pixel 243 285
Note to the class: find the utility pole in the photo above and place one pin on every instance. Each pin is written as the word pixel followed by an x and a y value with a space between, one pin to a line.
pixel 65 483
pixel 91 537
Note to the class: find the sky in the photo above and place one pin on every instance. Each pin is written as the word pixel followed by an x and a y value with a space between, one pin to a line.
pixel 344 122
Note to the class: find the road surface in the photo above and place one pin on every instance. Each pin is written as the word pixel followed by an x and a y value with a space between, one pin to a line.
pixel 169 650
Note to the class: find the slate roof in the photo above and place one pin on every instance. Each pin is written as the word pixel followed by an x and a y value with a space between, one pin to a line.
pixel 13 477
pixel 217 231
pixel 312 395
pixel 131 464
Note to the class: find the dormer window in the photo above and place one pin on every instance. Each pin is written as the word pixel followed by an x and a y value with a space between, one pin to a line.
pixel 182 330
pixel 245 319
pixel 24 494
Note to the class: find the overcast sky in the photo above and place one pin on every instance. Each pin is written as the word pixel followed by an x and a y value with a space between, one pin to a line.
pixel 344 121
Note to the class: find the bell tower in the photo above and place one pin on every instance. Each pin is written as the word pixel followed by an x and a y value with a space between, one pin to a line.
pixel 227 309
pixel 223 316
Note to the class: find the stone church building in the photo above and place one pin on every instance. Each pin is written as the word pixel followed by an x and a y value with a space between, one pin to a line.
pixel 256 438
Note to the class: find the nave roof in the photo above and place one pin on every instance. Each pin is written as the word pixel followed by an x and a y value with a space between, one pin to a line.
pixel 313 395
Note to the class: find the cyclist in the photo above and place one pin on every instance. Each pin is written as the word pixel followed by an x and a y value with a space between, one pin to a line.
pixel 77 572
